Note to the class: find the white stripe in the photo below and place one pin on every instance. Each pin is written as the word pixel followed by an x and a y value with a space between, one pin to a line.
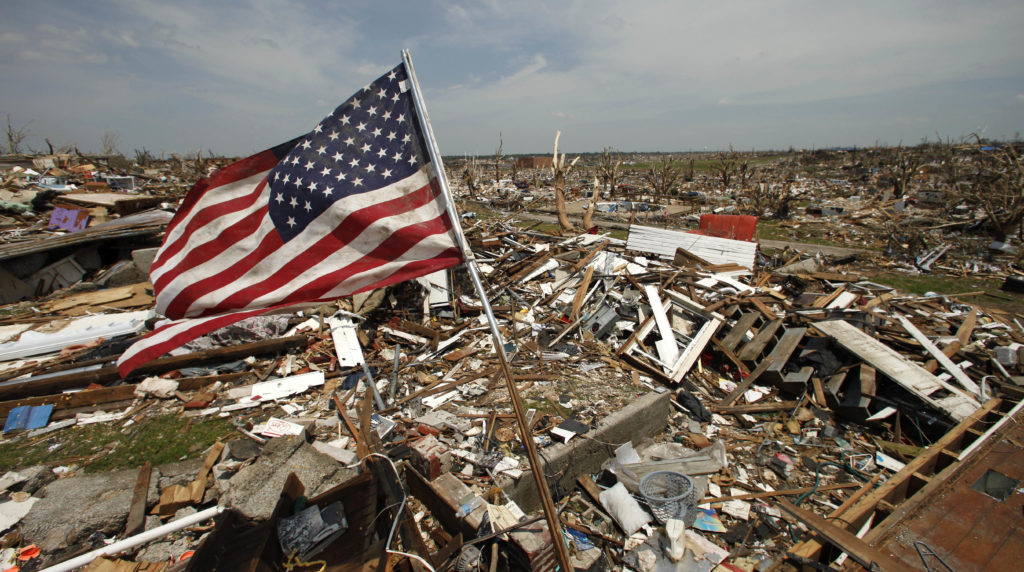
pixel 213 228
pixel 427 248
pixel 323 224
pixel 369 239
pixel 222 261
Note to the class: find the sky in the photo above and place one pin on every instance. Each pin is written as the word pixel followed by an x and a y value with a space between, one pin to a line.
pixel 238 76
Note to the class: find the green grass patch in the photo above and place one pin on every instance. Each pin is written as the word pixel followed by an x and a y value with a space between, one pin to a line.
pixel 110 446
pixel 920 284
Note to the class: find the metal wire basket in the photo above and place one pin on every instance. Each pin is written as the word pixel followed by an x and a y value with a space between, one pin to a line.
pixel 670 495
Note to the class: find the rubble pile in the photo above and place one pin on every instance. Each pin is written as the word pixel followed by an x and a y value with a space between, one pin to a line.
pixel 696 402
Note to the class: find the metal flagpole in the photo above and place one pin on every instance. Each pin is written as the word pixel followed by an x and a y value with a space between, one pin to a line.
pixel 499 346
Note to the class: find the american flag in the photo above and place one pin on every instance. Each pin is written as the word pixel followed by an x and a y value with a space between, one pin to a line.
pixel 353 205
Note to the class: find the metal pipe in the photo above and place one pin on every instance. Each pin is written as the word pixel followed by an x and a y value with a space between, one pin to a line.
pixel 550 512
pixel 133 541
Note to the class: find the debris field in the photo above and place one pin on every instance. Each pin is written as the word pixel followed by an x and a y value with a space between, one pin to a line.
pixel 699 401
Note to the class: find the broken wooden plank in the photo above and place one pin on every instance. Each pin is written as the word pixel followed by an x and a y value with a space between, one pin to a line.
pixel 862 552
pixel 953 369
pixel 137 510
pixel 906 373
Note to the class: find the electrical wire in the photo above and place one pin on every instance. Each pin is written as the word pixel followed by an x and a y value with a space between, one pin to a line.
pixel 398 515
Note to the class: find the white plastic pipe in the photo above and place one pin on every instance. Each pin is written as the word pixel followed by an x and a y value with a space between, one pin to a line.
pixel 133 541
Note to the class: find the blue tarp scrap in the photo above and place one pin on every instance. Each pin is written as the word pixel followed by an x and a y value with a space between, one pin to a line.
pixel 28 417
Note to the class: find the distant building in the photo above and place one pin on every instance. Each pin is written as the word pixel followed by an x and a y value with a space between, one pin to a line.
pixel 533 162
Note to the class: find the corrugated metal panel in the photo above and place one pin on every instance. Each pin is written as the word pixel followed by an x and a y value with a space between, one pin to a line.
pixel 713 249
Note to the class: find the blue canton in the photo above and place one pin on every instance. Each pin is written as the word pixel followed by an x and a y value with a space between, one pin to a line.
pixel 370 141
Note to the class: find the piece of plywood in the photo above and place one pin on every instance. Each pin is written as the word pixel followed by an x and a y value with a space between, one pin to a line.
pixel 908 374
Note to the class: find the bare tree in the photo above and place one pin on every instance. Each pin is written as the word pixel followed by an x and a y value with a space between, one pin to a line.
pixel 16 136
pixel 110 141
pixel 559 170
pixel 902 169
pixel 607 171
pixel 497 158
pixel 608 167
pixel 143 157
pixel 725 167
pixel 470 175
pixel 663 175
pixel 995 183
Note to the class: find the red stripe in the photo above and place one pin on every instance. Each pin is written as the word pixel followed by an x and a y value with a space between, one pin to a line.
pixel 348 229
pixel 183 337
pixel 177 308
pixel 417 268
pixel 390 249
pixel 207 251
pixel 203 218
pixel 243 169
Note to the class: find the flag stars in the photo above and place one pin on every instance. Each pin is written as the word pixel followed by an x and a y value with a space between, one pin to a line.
pixel 355 103
pixel 325 173
pixel 319 128
pixel 392 136
pixel 361 127
pixel 395 97
pixel 386 115
pixel 322 150
pixel 397 157
pixel 334 135
pixel 392 75
pixel 400 118
pixel 350 141
pixel 306 144
pixel 311 187
pixel 308 206
pixel 372 111
pixel 407 138
pixel 327 190
pixel 354 163
pixel 382 152
pixel 412 159
pixel 377 132
pixel 338 157
pixel 358 182
pixel 382 93
pixel 291 222
pixel 279 197
pixel 295 160
pixel 287 177
pixel 345 119
pixel 309 165
pixel 365 148
pixel 370 167
pixel 386 173
pixel 293 202
pixel 340 176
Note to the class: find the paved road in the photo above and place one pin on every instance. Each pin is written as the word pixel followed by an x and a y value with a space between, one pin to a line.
pixel 778 244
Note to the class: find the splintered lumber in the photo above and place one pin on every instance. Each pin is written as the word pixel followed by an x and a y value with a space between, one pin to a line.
pixel 755 347
pixel 865 554
pixel 755 407
pixel 895 487
pixel 746 383
pixel 941 357
pixel 137 510
pixel 782 351
pixel 739 329
pixel 914 378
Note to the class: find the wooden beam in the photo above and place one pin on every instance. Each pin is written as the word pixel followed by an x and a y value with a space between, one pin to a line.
pixel 109 374
pixel 867 555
